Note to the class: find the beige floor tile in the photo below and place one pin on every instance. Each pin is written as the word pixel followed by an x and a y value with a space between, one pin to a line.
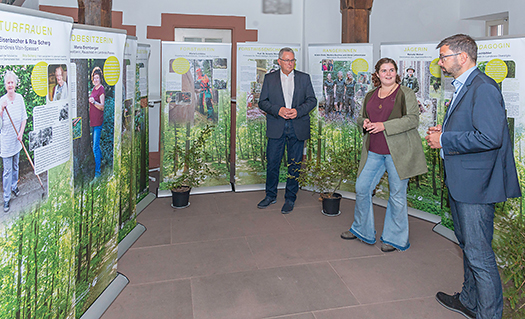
pixel 269 292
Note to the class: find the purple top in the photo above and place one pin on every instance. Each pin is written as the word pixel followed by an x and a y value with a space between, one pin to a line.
pixel 96 116
pixel 378 111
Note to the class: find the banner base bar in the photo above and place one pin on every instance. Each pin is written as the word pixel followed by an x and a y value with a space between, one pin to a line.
pixel 130 239
pixel 249 188
pixel 445 232
pixel 200 190
pixel 145 202
pixel 106 298
pixel 255 187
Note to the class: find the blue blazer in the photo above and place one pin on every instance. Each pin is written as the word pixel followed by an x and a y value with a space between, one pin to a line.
pixel 478 157
pixel 272 99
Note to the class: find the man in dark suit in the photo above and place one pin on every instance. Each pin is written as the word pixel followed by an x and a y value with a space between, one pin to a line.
pixel 287 97
pixel 479 172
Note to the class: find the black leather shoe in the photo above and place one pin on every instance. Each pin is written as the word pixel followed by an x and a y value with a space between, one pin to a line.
pixel 16 192
pixel 453 303
pixel 287 207
pixel 348 235
pixel 266 202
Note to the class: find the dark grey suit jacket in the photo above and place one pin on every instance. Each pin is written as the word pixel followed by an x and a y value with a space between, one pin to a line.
pixel 272 99
pixel 479 162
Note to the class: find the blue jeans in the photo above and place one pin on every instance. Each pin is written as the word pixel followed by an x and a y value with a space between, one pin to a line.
pixel 395 229
pixel 10 175
pixel 274 155
pixel 97 152
pixel 474 227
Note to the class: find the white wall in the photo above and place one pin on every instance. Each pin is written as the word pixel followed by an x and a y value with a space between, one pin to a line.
pixel 30 4
pixel 472 9
pixel 417 21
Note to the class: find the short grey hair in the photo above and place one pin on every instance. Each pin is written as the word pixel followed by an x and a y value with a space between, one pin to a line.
pixel 461 43
pixel 10 73
pixel 285 49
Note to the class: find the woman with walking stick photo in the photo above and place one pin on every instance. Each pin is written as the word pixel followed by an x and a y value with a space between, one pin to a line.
pixel 14 117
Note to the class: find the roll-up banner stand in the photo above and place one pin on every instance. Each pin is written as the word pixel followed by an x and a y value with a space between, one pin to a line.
pixel 502 59
pixel 341 76
pixel 419 70
pixel 196 92
pixel 254 60
pixel 37 221
pixel 141 133
pixel 128 200
pixel 96 82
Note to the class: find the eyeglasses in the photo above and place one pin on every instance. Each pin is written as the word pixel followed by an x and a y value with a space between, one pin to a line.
pixel 288 61
pixel 443 57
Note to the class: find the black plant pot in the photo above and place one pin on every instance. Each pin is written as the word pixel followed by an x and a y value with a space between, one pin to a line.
pixel 180 199
pixel 331 205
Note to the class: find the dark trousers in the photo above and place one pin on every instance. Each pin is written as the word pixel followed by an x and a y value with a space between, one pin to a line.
pixel 274 155
pixel 474 227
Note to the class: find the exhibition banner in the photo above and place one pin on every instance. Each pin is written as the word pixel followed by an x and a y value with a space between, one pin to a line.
pixel 253 62
pixel 141 133
pixel 96 81
pixel 128 201
pixel 341 76
pixel 502 59
pixel 37 245
pixel 419 70
pixel 195 93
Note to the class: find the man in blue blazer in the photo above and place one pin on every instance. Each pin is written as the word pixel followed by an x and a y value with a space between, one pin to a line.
pixel 287 97
pixel 479 172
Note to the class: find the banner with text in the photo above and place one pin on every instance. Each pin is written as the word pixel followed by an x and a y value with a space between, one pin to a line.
pixel 502 59
pixel 196 92
pixel 128 201
pixel 141 133
pixel 419 70
pixel 37 246
pixel 96 81
pixel 341 76
pixel 253 62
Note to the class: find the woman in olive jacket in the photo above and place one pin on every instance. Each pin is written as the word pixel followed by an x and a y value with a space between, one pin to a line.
pixel 391 143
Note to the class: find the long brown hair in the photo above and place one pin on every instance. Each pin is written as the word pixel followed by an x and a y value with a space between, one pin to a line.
pixel 375 77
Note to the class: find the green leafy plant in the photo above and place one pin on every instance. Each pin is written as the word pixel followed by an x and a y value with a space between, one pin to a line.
pixel 326 176
pixel 509 246
pixel 191 162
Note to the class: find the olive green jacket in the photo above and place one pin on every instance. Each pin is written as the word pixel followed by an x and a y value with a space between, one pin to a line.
pixel 401 135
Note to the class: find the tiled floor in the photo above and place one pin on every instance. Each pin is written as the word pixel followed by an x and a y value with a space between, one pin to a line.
pixel 223 258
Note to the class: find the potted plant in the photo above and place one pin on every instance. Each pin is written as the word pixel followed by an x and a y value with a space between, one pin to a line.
pixel 326 176
pixel 190 168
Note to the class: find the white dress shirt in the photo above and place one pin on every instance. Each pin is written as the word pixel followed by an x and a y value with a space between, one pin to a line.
pixel 458 85
pixel 287 82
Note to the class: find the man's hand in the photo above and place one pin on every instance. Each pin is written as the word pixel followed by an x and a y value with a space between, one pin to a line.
pixel 433 136
pixel 287 113
pixel 283 112
pixel 434 129
pixel 292 113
